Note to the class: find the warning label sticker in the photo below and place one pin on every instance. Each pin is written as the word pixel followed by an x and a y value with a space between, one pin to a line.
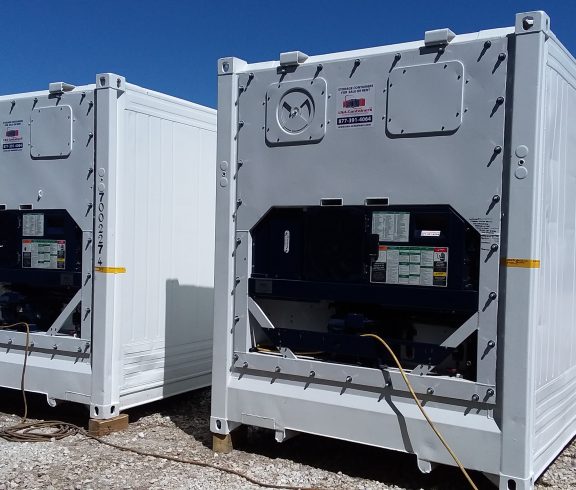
pixel 33 225
pixel 355 106
pixel 12 139
pixel 416 266
pixel 43 254
pixel 391 227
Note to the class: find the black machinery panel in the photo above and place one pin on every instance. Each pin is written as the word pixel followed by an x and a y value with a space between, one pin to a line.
pixel 40 265
pixel 396 256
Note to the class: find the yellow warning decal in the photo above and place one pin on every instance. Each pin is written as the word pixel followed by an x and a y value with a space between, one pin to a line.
pixel 524 263
pixel 440 274
pixel 111 270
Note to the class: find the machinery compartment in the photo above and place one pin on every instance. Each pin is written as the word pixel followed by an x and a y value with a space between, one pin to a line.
pixel 40 267
pixel 324 276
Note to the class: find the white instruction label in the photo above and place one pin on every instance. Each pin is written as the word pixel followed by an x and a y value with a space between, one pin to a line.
pixel 12 138
pixel 44 254
pixel 355 106
pixel 416 266
pixel 391 227
pixel 33 225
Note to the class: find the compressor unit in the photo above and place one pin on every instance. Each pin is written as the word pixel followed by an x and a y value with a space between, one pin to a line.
pixel 106 243
pixel 434 217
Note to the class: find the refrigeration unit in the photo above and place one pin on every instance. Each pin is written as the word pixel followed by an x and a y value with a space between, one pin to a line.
pixel 106 243
pixel 419 196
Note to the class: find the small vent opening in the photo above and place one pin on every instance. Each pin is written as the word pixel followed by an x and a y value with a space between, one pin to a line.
pixel 376 201
pixel 331 201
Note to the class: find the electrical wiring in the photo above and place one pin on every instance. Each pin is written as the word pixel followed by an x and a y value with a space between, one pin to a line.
pixel 421 408
pixel 48 430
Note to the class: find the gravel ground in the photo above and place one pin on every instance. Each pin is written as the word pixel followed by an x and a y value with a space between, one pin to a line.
pixel 179 427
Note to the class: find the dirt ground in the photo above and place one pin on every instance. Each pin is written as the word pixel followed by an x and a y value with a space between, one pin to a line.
pixel 179 427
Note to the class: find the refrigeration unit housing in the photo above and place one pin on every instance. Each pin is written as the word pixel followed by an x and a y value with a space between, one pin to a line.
pixel 106 243
pixel 424 193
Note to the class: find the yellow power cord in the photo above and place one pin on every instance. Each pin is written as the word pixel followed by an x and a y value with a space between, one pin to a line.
pixel 411 390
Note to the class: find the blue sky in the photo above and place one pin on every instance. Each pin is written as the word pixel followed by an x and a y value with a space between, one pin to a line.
pixel 172 46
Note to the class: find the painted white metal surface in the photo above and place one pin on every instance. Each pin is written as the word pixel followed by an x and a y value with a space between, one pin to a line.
pixel 165 239
pixel 139 185
pixel 555 292
pixel 533 362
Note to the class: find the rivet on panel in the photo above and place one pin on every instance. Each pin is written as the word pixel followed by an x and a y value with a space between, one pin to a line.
pixel 430 391
pixel 491 344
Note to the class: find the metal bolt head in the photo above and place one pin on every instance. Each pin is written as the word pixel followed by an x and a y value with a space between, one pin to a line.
pixel 490 392
pixel 235 357
pixel 487 44
pixel 498 149
pixel 312 374
pixel 55 346
pixel 240 123
pixel 430 391
pixel 475 397
pixel 491 344
pixel 496 198
pixel 441 50
pixel 319 67
pixel 245 365
pixel 277 369
pixel 492 295
pixel 348 379
pixel 501 56
pixel 356 61
pixel 238 241
pixel 10 341
pixel 494 247
pixel 397 56
pixel 500 100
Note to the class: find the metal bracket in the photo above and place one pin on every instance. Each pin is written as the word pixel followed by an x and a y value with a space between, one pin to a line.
pixel 454 340
pixel 60 87
pixel 259 315
pixel 111 80
pixel 292 58
pixel 438 37
pixel 64 314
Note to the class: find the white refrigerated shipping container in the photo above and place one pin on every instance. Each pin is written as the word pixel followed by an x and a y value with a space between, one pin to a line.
pixel 418 194
pixel 106 243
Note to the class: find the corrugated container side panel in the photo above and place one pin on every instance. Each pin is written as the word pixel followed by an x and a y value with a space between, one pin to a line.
pixel 165 239
pixel 555 336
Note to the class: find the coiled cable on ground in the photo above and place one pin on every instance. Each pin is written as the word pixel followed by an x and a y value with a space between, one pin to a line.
pixel 48 430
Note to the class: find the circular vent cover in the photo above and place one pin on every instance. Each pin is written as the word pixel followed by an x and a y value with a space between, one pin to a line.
pixel 295 111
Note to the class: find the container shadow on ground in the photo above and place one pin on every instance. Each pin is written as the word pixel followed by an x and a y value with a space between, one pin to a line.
pixel 190 412
pixel 354 460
